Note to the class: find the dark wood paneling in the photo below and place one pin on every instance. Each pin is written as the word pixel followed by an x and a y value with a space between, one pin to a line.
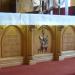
pixel 7 5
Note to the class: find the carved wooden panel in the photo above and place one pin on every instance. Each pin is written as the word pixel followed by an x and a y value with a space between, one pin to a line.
pixel 36 42
pixel 69 39
pixel 11 42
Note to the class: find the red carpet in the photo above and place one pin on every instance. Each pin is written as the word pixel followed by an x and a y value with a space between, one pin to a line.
pixel 66 67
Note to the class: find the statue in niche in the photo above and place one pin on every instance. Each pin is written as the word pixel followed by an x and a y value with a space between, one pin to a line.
pixel 43 42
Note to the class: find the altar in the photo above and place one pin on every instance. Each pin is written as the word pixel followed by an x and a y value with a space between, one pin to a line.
pixel 25 28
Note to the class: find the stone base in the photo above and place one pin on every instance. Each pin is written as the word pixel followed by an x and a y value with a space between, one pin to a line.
pixel 11 61
pixel 41 58
pixel 67 54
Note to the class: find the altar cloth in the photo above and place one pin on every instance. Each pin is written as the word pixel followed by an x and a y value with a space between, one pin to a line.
pixel 35 19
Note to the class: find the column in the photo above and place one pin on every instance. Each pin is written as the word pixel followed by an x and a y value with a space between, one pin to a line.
pixel 57 51
pixel 29 44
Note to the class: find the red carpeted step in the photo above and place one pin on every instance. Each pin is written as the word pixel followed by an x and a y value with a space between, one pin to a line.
pixel 66 67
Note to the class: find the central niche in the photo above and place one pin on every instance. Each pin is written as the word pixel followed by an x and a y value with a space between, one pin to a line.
pixel 42 40
pixel 11 42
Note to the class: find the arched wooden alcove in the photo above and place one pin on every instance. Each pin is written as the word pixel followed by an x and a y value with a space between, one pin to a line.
pixel 39 55
pixel 68 42
pixel 11 46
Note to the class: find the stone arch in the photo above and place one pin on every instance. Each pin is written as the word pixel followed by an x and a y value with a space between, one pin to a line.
pixel 11 42
pixel 67 38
